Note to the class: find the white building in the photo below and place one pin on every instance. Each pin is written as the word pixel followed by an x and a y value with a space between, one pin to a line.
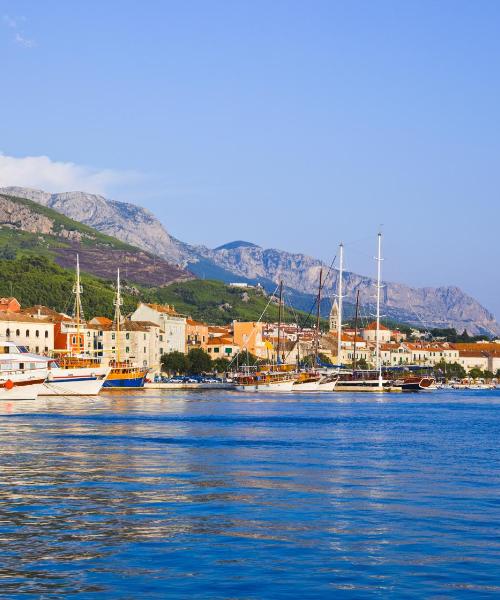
pixel 35 333
pixel 172 326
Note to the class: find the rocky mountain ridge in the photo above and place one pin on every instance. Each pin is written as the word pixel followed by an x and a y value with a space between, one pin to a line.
pixel 37 230
pixel 445 306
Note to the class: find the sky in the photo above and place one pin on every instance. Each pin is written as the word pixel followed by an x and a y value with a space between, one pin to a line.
pixel 293 125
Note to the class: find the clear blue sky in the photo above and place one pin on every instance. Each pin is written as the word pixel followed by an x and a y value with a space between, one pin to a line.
pixel 289 124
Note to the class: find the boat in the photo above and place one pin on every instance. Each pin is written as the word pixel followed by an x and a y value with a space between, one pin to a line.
pixel 21 376
pixel 74 374
pixel 307 382
pixel 415 383
pixel 264 381
pixel 123 374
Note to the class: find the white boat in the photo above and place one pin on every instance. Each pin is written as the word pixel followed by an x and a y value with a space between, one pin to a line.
pixel 264 381
pixel 306 383
pixel 328 383
pixel 20 378
pixel 74 381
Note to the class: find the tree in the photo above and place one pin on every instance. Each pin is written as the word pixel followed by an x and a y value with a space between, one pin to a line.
pixel 488 374
pixel 361 363
pixel 199 361
pixel 220 365
pixel 475 373
pixel 175 362
pixel 449 370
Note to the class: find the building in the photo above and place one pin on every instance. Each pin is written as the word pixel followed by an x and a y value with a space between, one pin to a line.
pixel 196 334
pixel 249 336
pixel 369 333
pixel 172 336
pixel 222 347
pixel 333 321
pixel 10 304
pixel 36 334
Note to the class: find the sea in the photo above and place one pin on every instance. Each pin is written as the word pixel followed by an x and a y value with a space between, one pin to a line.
pixel 220 494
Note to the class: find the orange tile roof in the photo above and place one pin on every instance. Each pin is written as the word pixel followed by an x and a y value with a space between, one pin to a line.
pixel 373 326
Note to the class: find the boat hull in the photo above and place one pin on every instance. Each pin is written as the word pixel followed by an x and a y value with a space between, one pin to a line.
pixel 21 391
pixel 365 386
pixel 125 380
pixel 75 382
pixel 306 386
pixel 278 386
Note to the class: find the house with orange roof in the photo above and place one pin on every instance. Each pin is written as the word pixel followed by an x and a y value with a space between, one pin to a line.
pixel 36 334
pixel 222 347
pixel 369 333
pixel 196 334
pixel 9 304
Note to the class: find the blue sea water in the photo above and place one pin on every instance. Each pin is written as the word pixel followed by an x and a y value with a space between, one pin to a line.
pixel 227 495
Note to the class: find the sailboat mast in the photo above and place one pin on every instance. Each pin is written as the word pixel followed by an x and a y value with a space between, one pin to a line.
pixel 78 312
pixel 280 317
pixel 117 302
pixel 318 313
pixel 355 331
pixel 339 322
pixel 378 362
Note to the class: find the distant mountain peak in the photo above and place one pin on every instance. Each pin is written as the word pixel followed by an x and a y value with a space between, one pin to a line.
pixel 237 244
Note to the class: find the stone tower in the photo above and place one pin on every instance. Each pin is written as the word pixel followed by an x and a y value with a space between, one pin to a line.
pixel 334 317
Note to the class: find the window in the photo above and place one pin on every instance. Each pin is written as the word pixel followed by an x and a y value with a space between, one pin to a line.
pixel 88 333
pixel 18 333
pixel 144 336
pixel 7 332
pixel 37 333
pixel 37 349
pixel 210 350
pixel 161 338
pixel 127 350
pixel 216 350
pixel 112 336
pixel 27 332
pixel 144 349
pixel 46 348
pixel 46 334
pixel 127 336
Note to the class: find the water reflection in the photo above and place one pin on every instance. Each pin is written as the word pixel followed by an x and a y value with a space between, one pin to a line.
pixel 225 495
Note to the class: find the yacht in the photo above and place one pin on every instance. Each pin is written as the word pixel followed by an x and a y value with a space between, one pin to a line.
pixel 22 376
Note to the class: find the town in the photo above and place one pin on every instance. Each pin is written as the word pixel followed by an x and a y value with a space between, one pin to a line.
pixel 153 331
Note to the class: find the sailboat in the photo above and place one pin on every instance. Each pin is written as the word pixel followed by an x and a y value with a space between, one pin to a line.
pixel 74 375
pixel 270 378
pixel 371 380
pixel 308 381
pixel 123 373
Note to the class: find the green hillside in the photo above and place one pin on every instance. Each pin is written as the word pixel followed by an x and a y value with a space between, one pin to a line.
pixel 28 229
pixel 39 280
pixel 218 303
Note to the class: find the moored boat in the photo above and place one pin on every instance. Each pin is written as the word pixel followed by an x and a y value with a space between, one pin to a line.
pixel 21 377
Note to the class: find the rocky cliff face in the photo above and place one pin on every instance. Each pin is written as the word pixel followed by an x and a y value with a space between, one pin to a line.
pixel 127 222
pixel 99 255
pixel 433 307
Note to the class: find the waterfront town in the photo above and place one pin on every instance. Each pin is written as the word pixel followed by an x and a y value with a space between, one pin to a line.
pixel 154 330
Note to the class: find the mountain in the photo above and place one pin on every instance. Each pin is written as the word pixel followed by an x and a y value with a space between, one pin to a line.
pixel 30 229
pixel 446 306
